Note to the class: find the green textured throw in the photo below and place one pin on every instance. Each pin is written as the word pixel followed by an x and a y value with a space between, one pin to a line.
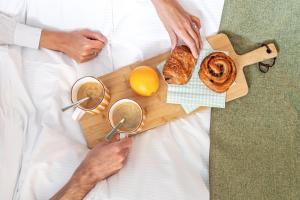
pixel 255 141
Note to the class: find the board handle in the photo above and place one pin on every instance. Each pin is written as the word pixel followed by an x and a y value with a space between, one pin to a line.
pixel 258 55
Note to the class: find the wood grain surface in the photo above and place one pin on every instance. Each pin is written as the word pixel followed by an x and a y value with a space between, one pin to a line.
pixel 158 112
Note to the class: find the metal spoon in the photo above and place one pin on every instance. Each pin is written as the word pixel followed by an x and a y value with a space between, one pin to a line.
pixel 75 104
pixel 111 134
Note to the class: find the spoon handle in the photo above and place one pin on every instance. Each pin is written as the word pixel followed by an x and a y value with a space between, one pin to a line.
pixel 75 104
pixel 111 134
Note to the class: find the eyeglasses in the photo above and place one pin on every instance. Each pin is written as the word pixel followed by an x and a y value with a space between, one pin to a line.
pixel 264 66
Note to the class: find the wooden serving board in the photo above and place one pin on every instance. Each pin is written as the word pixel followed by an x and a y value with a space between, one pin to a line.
pixel 158 112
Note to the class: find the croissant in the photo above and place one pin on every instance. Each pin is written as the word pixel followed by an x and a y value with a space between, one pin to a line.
pixel 179 67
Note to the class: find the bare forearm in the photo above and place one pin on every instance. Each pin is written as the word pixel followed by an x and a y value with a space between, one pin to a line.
pixel 104 160
pixel 79 185
pixel 52 40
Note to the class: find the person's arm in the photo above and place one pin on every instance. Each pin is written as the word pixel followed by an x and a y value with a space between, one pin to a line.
pixel 80 45
pixel 77 187
pixel 179 24
pixel 104 160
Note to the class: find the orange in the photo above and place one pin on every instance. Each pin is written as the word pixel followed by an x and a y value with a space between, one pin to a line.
pixel 144 80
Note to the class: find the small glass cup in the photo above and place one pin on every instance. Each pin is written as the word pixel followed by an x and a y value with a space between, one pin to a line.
pixel 105 98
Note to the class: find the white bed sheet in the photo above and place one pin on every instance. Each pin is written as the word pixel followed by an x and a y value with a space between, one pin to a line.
pixel 169 162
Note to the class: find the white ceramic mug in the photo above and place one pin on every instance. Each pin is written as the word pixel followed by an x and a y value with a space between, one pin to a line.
pixel 80 111
pixel 141 123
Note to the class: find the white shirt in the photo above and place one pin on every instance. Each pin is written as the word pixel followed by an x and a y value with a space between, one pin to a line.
pixel 17 35
pixel 14 33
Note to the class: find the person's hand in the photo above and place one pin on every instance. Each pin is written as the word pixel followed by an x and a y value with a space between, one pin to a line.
pixel 179 24
pixel 80 45
pixel 104 160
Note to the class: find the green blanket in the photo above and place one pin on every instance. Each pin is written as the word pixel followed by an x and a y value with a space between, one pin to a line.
pixel 255 141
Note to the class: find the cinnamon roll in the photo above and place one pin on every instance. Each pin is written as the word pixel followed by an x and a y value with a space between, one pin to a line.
pixel 218 72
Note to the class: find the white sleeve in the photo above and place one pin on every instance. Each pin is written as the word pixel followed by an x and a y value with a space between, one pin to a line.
pixel 14 33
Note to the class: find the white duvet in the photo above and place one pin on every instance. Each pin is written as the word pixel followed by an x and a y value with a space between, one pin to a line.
pixel 169 162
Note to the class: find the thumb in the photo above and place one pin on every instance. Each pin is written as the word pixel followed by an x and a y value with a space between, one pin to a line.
pixel 96 44
pixel 124 143
pixel 94 35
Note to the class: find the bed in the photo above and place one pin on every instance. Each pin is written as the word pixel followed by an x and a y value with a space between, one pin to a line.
pixel 41 147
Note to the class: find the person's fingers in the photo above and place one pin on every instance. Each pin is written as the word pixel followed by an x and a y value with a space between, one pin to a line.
pixel 201 42
pixel 197 27
pixel 124 143
pixel 94 51
pixel 101 142
pixel 95 44
pixel 173 38
pixel 191 30
pixel 87 58
pixel 197 31
pixel 94 35
pixel 189 41
pixel 115 138
pixel 125 152
pixel 196 20
pixel 90 52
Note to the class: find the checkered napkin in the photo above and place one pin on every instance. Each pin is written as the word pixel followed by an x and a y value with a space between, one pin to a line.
pixel 195 94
